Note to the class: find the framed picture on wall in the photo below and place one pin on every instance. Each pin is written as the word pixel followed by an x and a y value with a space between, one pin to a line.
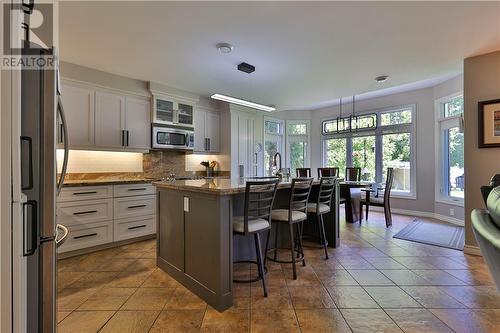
pixel 489 124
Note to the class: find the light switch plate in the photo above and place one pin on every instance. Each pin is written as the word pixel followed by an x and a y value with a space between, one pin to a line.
pixel 186 204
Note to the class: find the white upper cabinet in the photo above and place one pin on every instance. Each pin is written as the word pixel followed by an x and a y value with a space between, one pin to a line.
pixel 172 111
pixel 206 131
pixel 109 120
pixel 138 123
pixel 78 103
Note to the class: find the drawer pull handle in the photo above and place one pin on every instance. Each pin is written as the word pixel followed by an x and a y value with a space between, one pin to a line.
pixel 138 206
pixel 85 236
pixel 136 227
pixel 89 192
pixel 85 212
pixel 137 189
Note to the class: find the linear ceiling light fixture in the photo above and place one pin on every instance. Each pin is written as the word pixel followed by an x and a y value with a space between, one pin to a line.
pixel 242 102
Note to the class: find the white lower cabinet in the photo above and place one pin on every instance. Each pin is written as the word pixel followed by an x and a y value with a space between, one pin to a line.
pixel 106 214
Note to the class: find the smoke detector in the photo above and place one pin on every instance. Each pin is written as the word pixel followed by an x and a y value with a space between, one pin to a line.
pixel 224 47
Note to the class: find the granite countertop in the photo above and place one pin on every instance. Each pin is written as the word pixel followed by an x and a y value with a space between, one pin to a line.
pixel 109 181
pixel 214 186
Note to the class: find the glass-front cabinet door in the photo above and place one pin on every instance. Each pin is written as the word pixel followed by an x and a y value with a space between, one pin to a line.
pixel 164 111
pixel 185 114
pixel 172 112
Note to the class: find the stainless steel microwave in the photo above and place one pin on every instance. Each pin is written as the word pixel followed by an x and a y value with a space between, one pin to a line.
pixel 165 137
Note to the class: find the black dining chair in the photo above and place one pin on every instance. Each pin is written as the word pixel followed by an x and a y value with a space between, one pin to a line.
pixel 303 172
pixel 353 174
pixel 328 172
pixel 259 198
pixel 293 215
pixel 322 206
pixel 376 200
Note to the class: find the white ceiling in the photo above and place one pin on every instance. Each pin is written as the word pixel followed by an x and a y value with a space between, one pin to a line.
pixel 306 54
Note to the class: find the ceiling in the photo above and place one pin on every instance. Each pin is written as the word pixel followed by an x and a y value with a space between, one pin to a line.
pixel 306 55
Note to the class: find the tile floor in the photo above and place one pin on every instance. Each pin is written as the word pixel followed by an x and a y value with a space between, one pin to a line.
pixel 372 283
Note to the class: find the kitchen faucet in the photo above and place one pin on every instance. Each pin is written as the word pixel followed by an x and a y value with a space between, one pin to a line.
pixel 276 158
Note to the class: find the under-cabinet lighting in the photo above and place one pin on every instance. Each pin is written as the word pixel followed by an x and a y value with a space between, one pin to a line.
pixel 243 102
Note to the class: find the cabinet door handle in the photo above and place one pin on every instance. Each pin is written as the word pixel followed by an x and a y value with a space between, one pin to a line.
pixel 208 139
pixel 137 189
pixel 85 212
pixel 85 236
pixel 123 138
pixel 128 137
pixel 136 227
pixel 137 206
pixel 82 193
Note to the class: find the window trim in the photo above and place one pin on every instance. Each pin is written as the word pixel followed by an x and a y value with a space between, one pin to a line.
pixel 439 167
pixel 282 147
pixel 379 132
pixel 307 161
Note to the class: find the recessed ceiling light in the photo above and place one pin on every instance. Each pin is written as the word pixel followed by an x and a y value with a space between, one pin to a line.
pixel 243 102
pixel 381 78
pixel 224 47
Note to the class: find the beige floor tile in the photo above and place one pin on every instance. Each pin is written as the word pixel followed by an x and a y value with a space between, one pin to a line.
pixel 274 278
pixel 107 299
pixel 369 321
pixel 64 279
pixel 115 265
pixel 178 321
pixel 127 279
pixel 370 277
pixel 310 298
pixel 468 321
pixel 183 299
pixel 432 297
pixel 305 277
pixel 273 320
pixel 277 298
pixel 148 299
pixel 354 262
pixel 414 263
pixel 142 264
pixel 321 320
pixel 481 297
pixel 231 320
pixel 94 280
pixel 241 290
pixel 417 321
pixel 70 299
pixel 439 277
pixel 336 278
pixel 392 297
pixel 84 321
pixel 443 262
pixel 151 253
pixel 384 263
pixel 351 297
pixel 158 279
pixel 405 278
pixel 61 315
pixel 130 322
pixel 472 277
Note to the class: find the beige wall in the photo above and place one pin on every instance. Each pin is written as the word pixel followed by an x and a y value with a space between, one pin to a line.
pixel 481 83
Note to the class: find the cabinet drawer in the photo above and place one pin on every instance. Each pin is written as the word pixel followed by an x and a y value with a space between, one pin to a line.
pixel 130 190
pixel 137 206
pixel 85 193
pixel 84 212
pixel 80 237
pixel 134 227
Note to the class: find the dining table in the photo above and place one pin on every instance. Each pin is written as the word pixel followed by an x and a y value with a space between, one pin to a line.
pixel 350 191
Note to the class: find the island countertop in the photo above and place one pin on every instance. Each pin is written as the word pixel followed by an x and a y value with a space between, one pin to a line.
pixel 215 186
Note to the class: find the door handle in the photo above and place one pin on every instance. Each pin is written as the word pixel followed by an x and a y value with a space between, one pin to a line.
pixel 64 127
pixel 33 240
pixel 62 239
pixel 27 140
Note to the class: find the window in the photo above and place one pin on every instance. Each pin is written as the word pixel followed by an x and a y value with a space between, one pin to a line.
pixel 297 133
pixel 390 145
pixel 273 142
pixel 450 150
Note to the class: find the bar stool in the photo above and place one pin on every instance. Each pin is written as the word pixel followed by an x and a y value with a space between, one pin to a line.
pixel 322 206
pixel 328 172
pixel 295 214
pixel 259 198
pixel 303 172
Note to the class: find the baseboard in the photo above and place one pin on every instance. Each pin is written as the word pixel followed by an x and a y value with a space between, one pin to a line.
pixel 473 250
pixel 418 213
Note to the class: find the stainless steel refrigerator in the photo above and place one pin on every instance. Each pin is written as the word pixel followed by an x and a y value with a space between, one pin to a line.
pixel 42 123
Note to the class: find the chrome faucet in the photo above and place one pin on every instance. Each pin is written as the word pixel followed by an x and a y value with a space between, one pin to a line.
pixel 276 170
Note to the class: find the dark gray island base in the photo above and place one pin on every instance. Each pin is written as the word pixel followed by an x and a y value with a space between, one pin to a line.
pixel 195 239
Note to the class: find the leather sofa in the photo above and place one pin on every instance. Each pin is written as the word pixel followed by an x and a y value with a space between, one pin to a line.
pixel 486 227
pixel 494 182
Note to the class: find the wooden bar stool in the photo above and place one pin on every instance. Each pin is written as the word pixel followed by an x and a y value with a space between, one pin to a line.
pixel 322 206
pixel 295 213
pixel 328 172
pixel 303 172
pixel 259 198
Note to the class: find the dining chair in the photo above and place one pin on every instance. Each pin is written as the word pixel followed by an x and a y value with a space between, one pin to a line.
pixel 323 206
pixel 378 201
pixel 259 198
pixel 303 172
pixel 293 215
pixel 328 172
pixel 353 174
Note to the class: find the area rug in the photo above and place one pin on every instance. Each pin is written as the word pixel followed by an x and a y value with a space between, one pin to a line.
pixel 439 234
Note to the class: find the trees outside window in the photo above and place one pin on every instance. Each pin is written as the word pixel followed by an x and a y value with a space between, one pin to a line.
pixel 273 142
pixel 297 136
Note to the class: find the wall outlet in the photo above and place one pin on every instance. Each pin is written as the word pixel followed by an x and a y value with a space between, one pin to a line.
pixel 452 211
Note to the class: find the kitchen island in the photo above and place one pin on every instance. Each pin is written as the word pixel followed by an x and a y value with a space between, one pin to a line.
pixel 194 233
